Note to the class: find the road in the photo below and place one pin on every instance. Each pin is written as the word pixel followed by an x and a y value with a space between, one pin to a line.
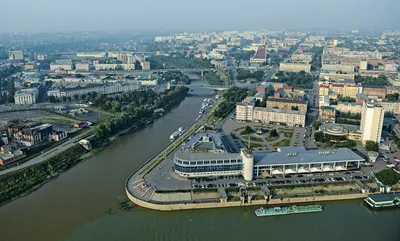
pixel 312 115
pixel 51 153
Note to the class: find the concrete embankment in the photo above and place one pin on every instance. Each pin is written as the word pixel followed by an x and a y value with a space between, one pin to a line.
pixel 187 206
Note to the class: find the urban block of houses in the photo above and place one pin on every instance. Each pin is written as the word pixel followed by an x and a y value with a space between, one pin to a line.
pixel 26 132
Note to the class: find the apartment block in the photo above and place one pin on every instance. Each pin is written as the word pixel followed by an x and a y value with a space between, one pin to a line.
pixel 375 91
pixel 294 67
pixel 278 116
pixel 244 111
pixel 349 107
pixel 287 104
pixel 247 112
pixel 327 113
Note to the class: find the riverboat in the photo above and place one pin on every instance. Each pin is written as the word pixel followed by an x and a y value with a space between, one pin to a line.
pixel 260 212
pixel 176 134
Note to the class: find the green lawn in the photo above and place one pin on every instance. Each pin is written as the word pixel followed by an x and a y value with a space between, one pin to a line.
pixel 288 134
pixel 256 139
pixel 273 138
pixel 237 129
pixel 59 120
pixel 284 142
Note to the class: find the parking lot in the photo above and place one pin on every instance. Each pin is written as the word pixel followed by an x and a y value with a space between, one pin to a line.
pixel 317 178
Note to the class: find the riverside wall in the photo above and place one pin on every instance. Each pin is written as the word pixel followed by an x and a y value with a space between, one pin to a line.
pixel 188 206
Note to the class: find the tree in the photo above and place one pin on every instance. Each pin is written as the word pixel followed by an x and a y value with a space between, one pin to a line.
pixel 388 177
pixel 346 99
pixel 273 133
pixel 295 107
pixel 316 125
pixel 371 146
pixel 138 66
pixel 392 97
pixel 248 130
pixel 319 136
pixel 52 99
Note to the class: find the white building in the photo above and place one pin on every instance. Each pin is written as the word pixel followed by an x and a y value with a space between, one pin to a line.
pixel 82 66
pixel 55 66
pixel 371 122
pixel 15 55
pixel 26 96
pixel 91 55
pixel 391 67
pixel 363 65
pixel 101 89
pixel 114 66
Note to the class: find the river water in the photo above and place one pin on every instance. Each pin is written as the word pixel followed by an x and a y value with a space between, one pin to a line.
pixel 82 204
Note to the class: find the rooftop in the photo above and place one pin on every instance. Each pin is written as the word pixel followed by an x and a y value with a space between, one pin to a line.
pixel 260 53
pixel 384 197
pixel 206 142
pixel 339 129
pixel 294 112
pixel 299 155
pixel 287 100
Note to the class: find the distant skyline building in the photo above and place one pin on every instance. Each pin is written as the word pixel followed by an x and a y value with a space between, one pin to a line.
pixel 16 55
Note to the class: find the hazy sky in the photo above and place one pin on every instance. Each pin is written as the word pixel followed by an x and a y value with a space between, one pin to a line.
pixel 193 15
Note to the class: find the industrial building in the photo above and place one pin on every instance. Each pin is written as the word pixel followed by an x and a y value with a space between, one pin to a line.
pixel 206 154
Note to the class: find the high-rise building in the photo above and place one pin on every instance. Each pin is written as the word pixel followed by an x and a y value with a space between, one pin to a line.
pixel 371 121
pixel 15 55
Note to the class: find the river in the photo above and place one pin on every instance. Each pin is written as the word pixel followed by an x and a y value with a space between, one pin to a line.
pixel 82 204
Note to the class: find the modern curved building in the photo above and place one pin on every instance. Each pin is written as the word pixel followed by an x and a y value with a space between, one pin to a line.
pixel 206 155
pixel 341 132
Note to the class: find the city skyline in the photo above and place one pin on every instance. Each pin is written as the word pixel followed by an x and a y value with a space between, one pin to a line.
pixel 199 16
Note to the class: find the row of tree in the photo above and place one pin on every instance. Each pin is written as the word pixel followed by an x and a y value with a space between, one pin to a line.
pixel 7 88
pixel 139 111
pixel 231 98
pixel 178 76
pixel 247 74
pixel 296 79
pixel 347 121
pixel 392 97
pixel 349 115
pixel 216 77
pixel 367 80
pixel 178 61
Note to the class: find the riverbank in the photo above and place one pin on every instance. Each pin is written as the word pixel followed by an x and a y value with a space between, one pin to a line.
pixel 22 182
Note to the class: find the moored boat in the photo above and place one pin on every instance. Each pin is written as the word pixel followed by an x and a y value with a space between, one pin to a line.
pixel 260 212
